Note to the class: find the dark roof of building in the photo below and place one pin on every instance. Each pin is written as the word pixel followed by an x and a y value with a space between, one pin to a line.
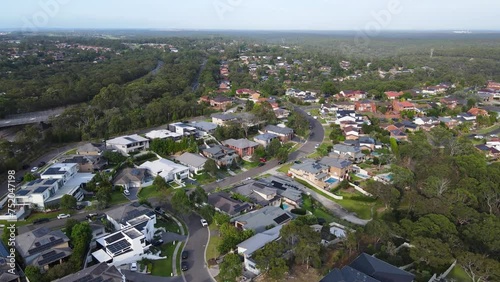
pixel 380 269
pixel 347 274
pixel 96 273
pixel 225 203
pixel 277 129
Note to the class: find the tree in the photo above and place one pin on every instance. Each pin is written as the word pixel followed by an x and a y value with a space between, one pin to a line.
pixel 249 105
pixel 230 268
pixel 103 195
pixel 269 260
pixel 273 147
pixel 160 183
pixel 34 274
pixel 199 196
pixel 180 202
pixel 210 167
pixel 479 268
pixel 68 202
pixel 29 177
pixel 431 252
pixel 68 226
pixel 81 235
pixel 221 218
pixel 328 88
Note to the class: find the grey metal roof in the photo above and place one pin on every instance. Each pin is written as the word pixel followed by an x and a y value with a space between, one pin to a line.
pixel 266 136
pixel 241 143
pixel 338 163
pixel 278 129
pixel 191 159
pixel 224 117
pixel 380 269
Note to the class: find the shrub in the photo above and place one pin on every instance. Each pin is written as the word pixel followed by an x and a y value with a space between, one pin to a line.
pixel 298 211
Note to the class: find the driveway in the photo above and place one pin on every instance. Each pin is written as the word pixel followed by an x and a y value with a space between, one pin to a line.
pixel 197 241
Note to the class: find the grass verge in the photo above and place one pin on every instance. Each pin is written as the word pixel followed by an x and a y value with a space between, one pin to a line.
pixel 214 242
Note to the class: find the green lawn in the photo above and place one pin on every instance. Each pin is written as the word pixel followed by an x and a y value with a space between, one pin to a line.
pixel 284 168
pixel 458 273
pixel 204 178
pixel 117 197
pixel 169 225
pixel 179 257
pixel 71 152
pixel 487 130
pixel 214 242
pixel 163 267
pixel 316 210
pixel 322 147
pixel 149 192
pixel 249 165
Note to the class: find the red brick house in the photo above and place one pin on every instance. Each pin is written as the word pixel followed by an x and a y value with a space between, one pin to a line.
pixel 392 95
pixel 366 106
pixel 243 147
pixel 400 106
pixel 477 112
pixel 221 103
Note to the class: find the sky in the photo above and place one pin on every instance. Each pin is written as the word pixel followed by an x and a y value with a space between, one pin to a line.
pixel 366 15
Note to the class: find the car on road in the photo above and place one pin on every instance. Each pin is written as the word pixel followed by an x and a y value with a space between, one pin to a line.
pixel 262 164
pixel 248 178
pixel 34 169
pixel 219 180
pixel 126 192
pixel 41 220
pixel 19 179
pixel 316 146
pixel 184 266
pixel 42 164
pixel 91 215
pixel 493 135
pixel 63 215
pixel 133 266
pixel 185 254
pixel 479 136
pixel 203 222
pixel 297 162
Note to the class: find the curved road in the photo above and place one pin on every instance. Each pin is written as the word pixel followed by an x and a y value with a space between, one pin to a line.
pixel 195 246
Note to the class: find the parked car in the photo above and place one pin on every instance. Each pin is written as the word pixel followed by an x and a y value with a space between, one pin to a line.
pixel 262 164
pixel 91 215
pixel 63 215
pixel 159 210
pixel 262 160
pixel 133 266
pixel 19 179
pixel 42 164
pixel 203 222
pixel 34 169
pixel 79 207
pixel 126 192
pixel 297 162
pixel 185 254
pixel 158 242
pixel 184 266
pixel 41 220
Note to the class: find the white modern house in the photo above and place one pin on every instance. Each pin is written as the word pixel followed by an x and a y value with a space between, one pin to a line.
pixel 55 182
pixel 167 169
pixel 128 144
pixel 135 233
pixel 163 134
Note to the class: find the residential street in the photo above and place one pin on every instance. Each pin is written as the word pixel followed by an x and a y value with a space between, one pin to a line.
pixel 198 238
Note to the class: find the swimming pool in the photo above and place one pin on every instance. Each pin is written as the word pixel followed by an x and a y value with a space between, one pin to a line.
pixel 285 206
pixel 331 180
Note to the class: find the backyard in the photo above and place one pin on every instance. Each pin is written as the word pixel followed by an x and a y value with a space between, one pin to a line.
pixel 316 209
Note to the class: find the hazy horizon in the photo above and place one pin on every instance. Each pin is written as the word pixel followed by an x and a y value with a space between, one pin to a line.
pixel 370 16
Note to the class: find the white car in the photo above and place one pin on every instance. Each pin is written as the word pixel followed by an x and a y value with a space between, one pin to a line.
pixel 133 266
pixel 203 222
pixel 63 215
pixel 126 192
pixel 34 169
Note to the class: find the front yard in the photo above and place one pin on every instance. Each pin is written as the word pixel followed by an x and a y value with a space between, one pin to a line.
pixel 163 267
pixel 169 225
pixel 117 197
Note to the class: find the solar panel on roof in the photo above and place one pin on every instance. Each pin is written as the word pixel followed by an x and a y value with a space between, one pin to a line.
pixel 119 246
pixel 114 238
pixel 51 258
pixel 41 189
pixel 46 246
pixel 282 218
pixel 50 181
pixel 22 192
pixel 130 139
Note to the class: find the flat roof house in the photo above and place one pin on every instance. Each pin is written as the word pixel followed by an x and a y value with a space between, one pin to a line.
pixel 43 247
pixel 167 169
pixel 128 144
pixel 55 182
pixel 182 128
pixel 243 147
pixel 163 134
pixel 204 127
pixel 195 162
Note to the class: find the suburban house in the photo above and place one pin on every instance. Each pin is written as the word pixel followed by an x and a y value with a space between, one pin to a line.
pixel 367 106
pixel 163 134
pixel 311 171
pixel 222 202
pixel 349 152
pixel 221 103
pixel 351 133
pixel 265 139
pixel 223 119
pixel 255 243
pixel 281 113
pixel 223 156
pixel 43 247
pixel 258 193
pixel 353 95
pixel 392 95
pixel 400 106
pixel 128 144
pixel 285 134
pixel 243 147
pixel 136 230
pixel 182 128
pixel 7 273
pixel 195 162
pixel 98 272
pixel 132 177
pixel 260 220
pixel 55 182
pixel 290 191
pixel 338 168
pixel 167 169
pixel 477 112
pixel 204 127
pixel 370 269
pixel 90 149
pixel 86 163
